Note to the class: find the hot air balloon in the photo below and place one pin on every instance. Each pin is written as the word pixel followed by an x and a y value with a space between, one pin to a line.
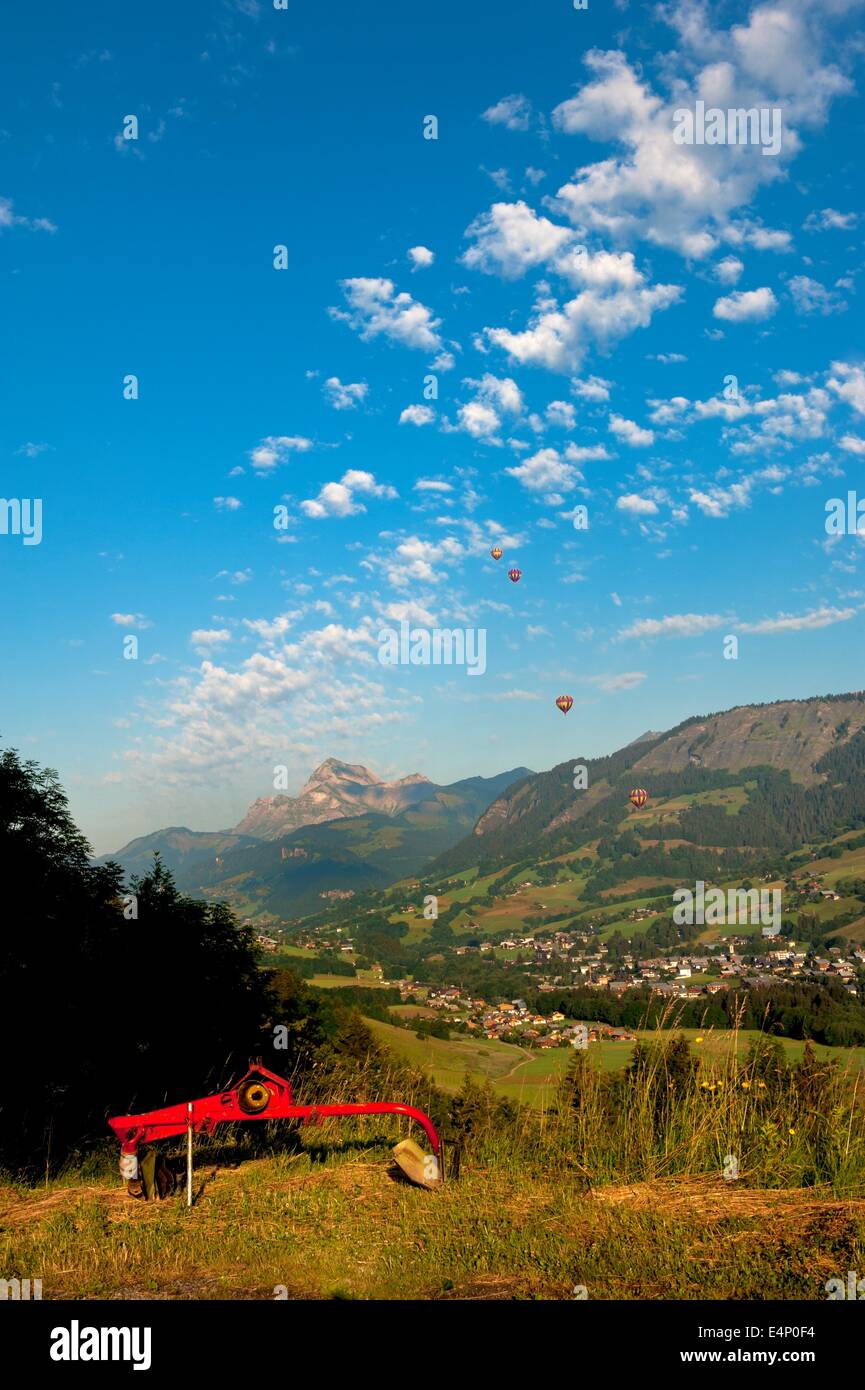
pixel 514 575
pixel 497 552
pixel 639 796
pixel 564 703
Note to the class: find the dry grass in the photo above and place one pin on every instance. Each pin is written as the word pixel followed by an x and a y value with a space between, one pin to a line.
pixel 618 1187
pixel 351 1229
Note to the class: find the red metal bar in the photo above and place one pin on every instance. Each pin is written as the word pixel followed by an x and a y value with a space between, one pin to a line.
pixel 223 1108
pixel 374 1108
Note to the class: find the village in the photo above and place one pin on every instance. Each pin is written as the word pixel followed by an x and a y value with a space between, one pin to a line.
pixel 561 961
pixel 514 1022
pixel 586 955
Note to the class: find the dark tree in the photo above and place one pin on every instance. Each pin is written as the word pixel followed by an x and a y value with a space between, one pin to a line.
pixel 109 1003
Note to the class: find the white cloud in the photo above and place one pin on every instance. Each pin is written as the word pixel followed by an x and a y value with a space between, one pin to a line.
pixel 8 218
pixel 340 499
pixel 131 620
pixel 275 449
pixel 545 472
pixel 479 420
pixel 218 719
pixel 409 611
pixel 852 444
pixel 719 502
pixel 417 415
pixel 780 420
pixel 503 392
pixel 227 504
pixel 421 257
pixel 432 485
pixel 272 630
pixel 848 382
pixel 614 298
pixel 344 395
pixel 418 559
pixel 687 196
pixel 810 297
pixel 513 112
pixel 593 388
pixel 678 625
pixel 627 680
pixel 729 269
pixel 746 306
pixel 803 622
pixel 635 505
pixel 443 362
pixel 375 309
pixel 578 453
pixel 500 177
pixel 511 238
pixel 828 219
pixel 203 638
pixel 630 433
pixel 561 414
pixel 495 397
pixel 238 577
pixel 558 338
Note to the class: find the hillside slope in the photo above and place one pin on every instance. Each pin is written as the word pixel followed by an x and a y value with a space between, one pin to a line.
pixel 772 752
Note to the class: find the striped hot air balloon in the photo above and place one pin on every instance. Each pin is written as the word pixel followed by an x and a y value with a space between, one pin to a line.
pixel 639 796
pixel 515 575
pixel 497 552
pixel 564 703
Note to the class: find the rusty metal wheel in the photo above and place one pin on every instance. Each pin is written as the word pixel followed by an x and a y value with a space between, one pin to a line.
pixel 253 1097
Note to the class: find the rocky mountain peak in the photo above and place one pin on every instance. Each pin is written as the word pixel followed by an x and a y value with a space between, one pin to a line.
pixel 334 791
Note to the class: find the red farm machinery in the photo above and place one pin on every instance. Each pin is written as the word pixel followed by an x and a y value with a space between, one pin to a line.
pixel 259 1095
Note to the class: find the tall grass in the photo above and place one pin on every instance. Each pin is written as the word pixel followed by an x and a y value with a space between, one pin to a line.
pixel 758 1121
pixel 679 1110
pixel 546 1201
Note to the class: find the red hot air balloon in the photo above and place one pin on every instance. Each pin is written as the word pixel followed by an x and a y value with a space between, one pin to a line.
pixel 497 552
pixel 639 796
pixel 515 575
pixel 564 703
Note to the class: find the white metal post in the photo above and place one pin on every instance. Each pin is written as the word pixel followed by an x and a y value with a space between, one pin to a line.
pixel 189 1153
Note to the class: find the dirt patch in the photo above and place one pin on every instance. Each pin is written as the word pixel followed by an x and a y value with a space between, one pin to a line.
pixel 485 1288
pixel 14 1208
pixel 708 1198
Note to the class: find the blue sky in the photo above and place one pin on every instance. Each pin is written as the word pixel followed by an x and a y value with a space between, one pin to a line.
pixel 579 285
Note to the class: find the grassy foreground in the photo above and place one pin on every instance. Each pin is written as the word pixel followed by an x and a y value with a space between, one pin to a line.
pixel 684 1177
pixel 352 1229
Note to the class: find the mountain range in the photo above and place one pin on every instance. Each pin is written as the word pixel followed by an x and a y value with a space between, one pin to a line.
pixel 724 788
pixel 335 791
pixel 346 831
